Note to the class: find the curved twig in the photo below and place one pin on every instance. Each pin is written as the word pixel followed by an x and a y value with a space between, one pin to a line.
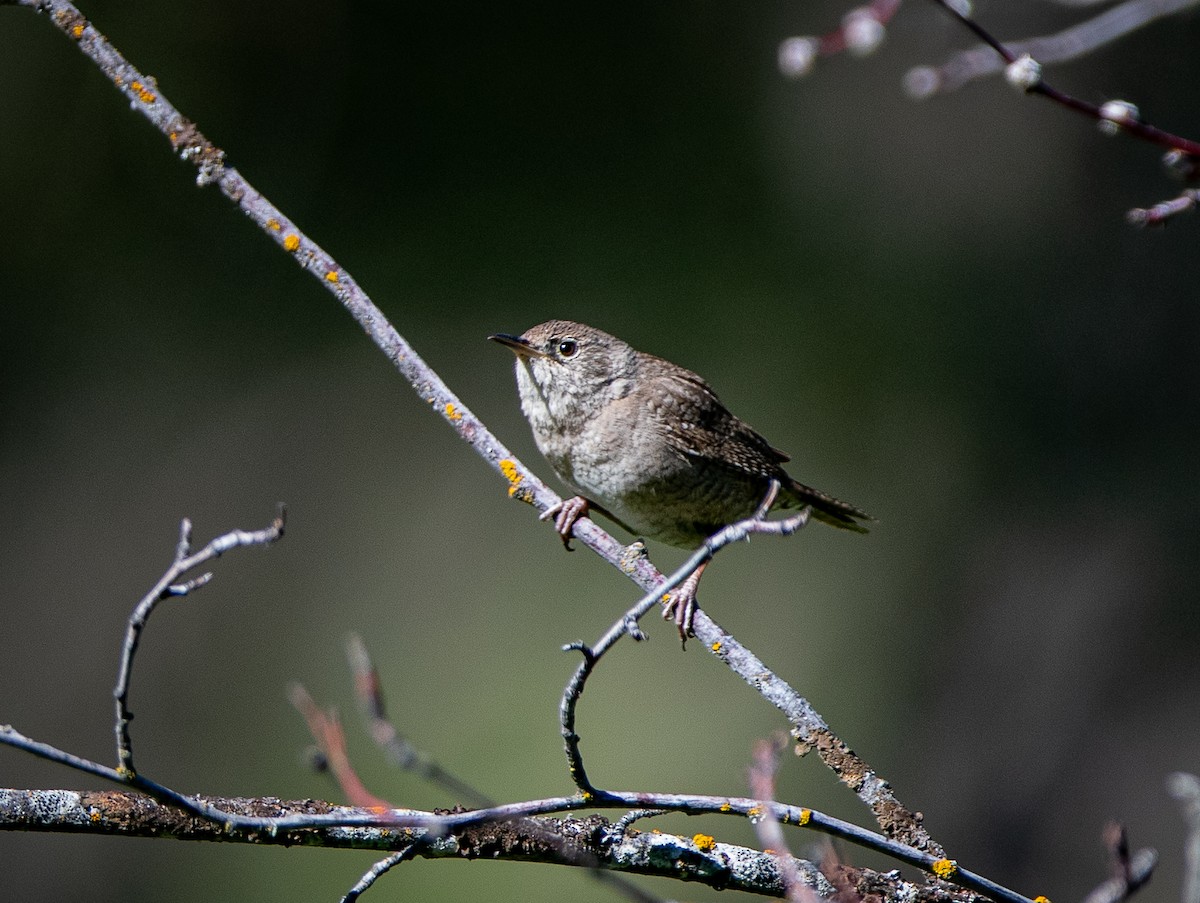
pixel 185 562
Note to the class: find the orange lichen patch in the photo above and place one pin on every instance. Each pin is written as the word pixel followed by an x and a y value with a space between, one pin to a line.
pixel 452 413
pixel 704 842
pixel 944 868
pixel 291 242
pixel 508 467
pixel 521 494
pixel 331 276
pixel 273 224
pixel 94 816
pixel 143 93
pixel 77 31
pixel 1041 899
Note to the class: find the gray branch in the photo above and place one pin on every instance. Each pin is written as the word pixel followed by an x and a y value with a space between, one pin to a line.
pixel 587 842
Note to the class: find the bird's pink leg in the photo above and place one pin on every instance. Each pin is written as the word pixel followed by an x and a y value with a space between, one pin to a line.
pixel 681 604
pixel 565 513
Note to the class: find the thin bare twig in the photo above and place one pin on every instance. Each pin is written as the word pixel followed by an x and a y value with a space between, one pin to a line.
pixel 326 730
pixel 378 870
pixel 185 562
pixel 861 31
pixel 1069 44
pixel 1130 871
pixel 1185 788
pixel 369 690
pixel 1024 71
pixel 627 624
pixel 763 768
pixel 395 747
pixel 1062 47
pixel 1164 210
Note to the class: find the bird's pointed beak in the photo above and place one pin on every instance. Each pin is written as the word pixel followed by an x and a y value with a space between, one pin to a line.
pixel 517 345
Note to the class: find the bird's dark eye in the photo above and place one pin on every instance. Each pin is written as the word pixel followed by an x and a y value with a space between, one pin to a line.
pixel 568 347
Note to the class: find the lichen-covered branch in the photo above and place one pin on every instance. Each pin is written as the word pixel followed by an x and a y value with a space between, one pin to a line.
pixel 591 841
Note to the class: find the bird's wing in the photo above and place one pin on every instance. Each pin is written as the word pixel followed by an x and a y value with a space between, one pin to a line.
pixel 694 422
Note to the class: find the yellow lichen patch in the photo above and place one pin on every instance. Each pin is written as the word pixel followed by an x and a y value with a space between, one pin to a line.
pixel 291 242
pixel 716 647
pixel 508 467
pixel 944 868
pixel 331 276
pixel 452 412
pixel 520 494
pixel 94 816
pixel 1041 899
pixel 805 817
pixel 725 807
pixel 144 95
pixel 754 812
pixel 273 224
pixel 77 31
pixel 704 842
pixel 587 796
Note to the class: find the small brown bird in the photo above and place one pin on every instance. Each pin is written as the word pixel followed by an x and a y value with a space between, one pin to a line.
pixel 648 444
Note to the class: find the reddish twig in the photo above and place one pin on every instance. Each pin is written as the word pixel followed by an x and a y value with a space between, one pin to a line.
pixel 327 733
pixel 1024 72
pixel 861 31
pixel 762 772
pixel 1130 871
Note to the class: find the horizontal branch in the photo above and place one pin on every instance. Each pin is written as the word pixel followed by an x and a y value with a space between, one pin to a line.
pixel 585 842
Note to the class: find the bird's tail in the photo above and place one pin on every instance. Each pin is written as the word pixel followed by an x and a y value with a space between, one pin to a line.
pixel 827 509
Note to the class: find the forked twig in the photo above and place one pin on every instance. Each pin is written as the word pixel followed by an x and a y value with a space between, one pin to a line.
pixel 185 562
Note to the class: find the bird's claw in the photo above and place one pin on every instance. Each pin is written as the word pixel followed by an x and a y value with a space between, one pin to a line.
pixel 680 606
pixel 565 514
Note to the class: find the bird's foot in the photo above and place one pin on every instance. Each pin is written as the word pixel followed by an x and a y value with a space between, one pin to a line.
pixel 681 606
pixel 565 513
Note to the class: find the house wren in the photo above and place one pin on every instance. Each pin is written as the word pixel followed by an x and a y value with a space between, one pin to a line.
pixel 649 444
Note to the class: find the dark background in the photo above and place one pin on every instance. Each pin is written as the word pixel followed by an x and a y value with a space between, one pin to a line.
pixel 936 308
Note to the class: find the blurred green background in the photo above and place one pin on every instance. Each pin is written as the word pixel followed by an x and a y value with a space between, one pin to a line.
pixel 936 308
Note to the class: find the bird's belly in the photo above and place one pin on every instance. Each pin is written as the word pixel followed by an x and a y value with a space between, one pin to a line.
pixel 680 505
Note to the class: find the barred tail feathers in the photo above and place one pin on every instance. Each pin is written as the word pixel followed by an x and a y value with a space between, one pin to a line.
pixel 827 509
